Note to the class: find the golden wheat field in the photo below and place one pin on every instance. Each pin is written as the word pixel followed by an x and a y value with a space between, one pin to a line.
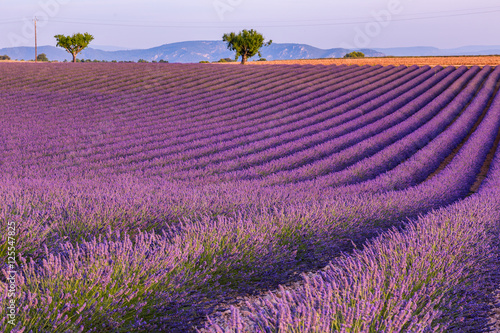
pixel 396 61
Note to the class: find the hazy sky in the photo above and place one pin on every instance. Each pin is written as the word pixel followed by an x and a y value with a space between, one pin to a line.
pixel 320 23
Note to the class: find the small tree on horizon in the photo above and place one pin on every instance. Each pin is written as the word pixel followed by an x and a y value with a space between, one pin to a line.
pixel 246 43
pixel 74 44
pixel 354 54
pixel 42 57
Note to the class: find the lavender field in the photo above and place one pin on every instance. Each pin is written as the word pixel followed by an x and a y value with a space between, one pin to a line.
pixel 174 197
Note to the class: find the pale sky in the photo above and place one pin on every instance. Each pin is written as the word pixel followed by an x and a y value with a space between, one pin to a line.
pixel 320 23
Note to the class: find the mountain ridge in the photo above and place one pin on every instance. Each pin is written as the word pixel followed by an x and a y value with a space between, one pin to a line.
pixel 434 51
pixel 184 52
pixel 196 51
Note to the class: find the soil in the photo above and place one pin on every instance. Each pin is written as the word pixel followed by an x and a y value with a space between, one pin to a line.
pixel 495 315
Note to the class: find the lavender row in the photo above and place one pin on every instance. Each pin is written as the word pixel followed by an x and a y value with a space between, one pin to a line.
pixel 61 85
pixel 280 85
pixel 434 276
pixel 231 112
pixel 65 96
pixel 415 142
pixel 327 158
pixel 265 110
pixel 384 306
pixel 305 114
pixel 112 72
pixel 420 166
pixel 284 132
pixel 232 243
pixel 234 77
pixel 333 83
pixel 252 244
pixel 354 116
pixel 396 111
pixel 177 74
pixel 255 107
pixel 399 281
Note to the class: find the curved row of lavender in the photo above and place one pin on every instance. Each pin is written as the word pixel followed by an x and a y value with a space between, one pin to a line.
pixel 114 183
pixel 438 275
pixel 413 280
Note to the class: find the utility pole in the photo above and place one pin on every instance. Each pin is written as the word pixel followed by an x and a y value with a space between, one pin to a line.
pixel 36 51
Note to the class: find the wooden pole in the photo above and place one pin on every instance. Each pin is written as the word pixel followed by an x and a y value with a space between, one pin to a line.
pixel 36 46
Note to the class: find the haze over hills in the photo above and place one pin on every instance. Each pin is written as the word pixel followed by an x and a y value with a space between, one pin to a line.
pixel 195 51
pixel 434 51
pixel 109 48
pixel 183 52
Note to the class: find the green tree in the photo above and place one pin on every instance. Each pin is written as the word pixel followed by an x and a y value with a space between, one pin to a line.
pixel 74 44
pixel 42 57
pixel 246 43
pixel 354 54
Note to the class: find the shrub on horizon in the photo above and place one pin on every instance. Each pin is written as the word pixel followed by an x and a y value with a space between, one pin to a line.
pixel 354 55
pixel 42 57
pixel 226 60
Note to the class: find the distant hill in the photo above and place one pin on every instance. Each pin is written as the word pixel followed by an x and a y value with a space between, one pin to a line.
pixel 184 52
pixel 196 51
pixel 304 51
pixel 109 48
pixel 28 53
pixel 433 51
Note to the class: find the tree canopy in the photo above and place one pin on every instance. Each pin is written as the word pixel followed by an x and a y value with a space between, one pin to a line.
pixel 42 57
pixel 246 43
pixel 355 54
pixel 74 44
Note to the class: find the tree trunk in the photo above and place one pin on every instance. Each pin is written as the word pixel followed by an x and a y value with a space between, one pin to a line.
pixel 74 57
pixel 243 59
